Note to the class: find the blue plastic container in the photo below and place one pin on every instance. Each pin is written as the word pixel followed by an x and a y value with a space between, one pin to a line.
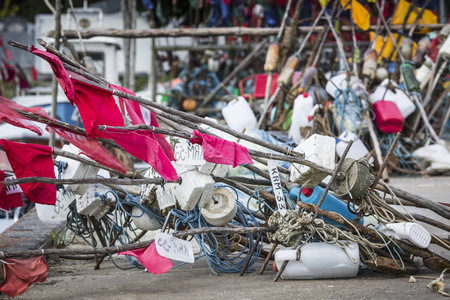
pixel 330 202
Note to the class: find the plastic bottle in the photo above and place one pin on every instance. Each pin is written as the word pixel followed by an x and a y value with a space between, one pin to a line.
pixel 272 57
pixel 319 261
pixel 239 115
pixel 357 150
pixel 330 203
pixel 409 232
pixel 303 104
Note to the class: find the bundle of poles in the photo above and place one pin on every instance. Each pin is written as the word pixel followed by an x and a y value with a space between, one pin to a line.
pixel 181 125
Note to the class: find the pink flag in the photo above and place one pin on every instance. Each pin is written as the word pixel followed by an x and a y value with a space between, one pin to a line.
pixel 90 147
pixel 220 151
pixel 150 259
pixel 20 273
pixel 142 145
pixel 28 160
pixel 97 107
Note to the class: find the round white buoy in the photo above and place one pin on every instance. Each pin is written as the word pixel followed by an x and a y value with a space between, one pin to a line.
pixel 144 222
pixel 222 209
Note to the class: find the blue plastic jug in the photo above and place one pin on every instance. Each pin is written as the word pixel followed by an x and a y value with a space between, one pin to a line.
pixel 330 202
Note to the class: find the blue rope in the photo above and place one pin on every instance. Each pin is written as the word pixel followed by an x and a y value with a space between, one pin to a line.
pixel 61 167
pixel 217 253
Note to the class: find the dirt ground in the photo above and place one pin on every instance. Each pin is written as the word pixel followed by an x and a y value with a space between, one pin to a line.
pixel 78 280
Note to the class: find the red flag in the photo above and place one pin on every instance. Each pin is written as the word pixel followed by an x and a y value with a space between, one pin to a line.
pixel 61 74
pixel 28 160
pixel 129 108
pixel 142 145
pixel 20 273
pixel 9 197
pixel 12 117
pixel 97 107
pixel 220 151
pixel 133 110
pixel 90 147
pixel 34 73
pixel 150 259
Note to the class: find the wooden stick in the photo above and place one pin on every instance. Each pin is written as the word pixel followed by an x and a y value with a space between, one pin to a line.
pixel 386 159
pixel 433 222
pixel 39 252
pixel 206 32
pixel 266 261
pixel 124 181
pixel 250 254
pixel 97 263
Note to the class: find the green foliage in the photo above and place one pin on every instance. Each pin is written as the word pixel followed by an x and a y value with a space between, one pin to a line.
pixel 56 238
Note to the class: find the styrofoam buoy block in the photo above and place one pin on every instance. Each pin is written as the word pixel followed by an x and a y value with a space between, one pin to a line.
pixel 318 149
pixel 76 169
pixel 91 205
pixel 144 221
pixel 207 192
pixel 222 209
pixel 189 192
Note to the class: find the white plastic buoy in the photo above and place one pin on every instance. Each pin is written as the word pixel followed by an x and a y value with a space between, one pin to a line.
pixel 58 212
pixel 222 209
pixel 318 149
pixel 76 169
pixel 239 115
pixel 409 232
pixel 319 261
pixel 144 221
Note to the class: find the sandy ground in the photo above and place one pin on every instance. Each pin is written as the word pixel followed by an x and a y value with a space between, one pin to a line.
pixel 77 280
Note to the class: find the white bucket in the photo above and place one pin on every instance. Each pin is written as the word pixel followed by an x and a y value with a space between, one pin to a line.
pixel 239 115
pixel 319 261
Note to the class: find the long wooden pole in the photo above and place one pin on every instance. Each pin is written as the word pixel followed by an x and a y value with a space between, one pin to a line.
pixel 204 32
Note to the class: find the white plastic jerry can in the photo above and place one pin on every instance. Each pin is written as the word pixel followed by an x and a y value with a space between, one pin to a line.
pixel 303 105
pixel 404 104
pixel 239 115
pixel 320 261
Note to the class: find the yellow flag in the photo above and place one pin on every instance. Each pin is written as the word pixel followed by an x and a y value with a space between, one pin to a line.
pixel 428 16
pixel 360 15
